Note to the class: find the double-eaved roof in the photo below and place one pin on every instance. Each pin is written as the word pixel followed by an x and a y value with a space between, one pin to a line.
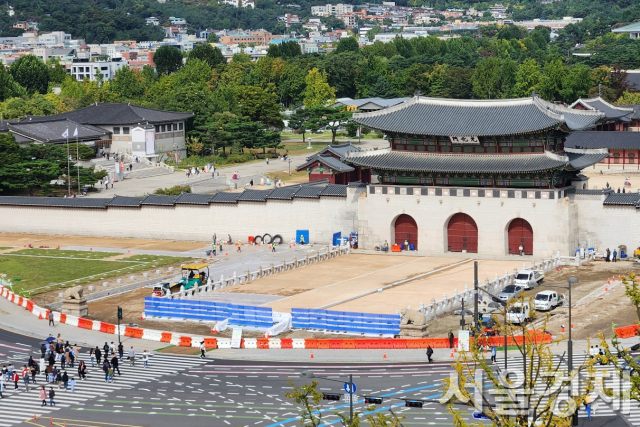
pixel 404 161
pixel 115 114
pixel 332 157
pixel 456 117
pixel 611 112
pixel 604 139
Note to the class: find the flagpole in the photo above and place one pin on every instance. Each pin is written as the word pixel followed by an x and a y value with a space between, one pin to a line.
pixel 78 159
pixel 68 167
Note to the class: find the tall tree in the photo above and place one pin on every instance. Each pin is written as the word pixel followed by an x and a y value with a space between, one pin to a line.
pixel 487 79
pixel 168 59
pixel 209 54
pixel 31 73
pixel 260 105
pixel 317 91
pixel 348 44
pixel 8 87
pixel 527 77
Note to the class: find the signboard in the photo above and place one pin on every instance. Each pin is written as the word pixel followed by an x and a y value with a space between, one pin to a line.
pixel 464 139
pixel 463 340
pixel 347 388
pixel 236 337
pixel 347 398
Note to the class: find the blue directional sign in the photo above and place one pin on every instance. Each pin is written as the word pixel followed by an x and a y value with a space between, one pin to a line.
pixel 349 389
pixel 480 416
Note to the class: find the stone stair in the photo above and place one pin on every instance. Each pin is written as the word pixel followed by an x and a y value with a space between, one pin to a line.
pixel 146 172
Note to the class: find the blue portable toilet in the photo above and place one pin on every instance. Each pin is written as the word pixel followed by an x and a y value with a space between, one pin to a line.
pixel 302 236
pixel 337 239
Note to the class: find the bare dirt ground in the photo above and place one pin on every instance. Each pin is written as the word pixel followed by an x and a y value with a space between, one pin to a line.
pixel 594 310
pixel 37 240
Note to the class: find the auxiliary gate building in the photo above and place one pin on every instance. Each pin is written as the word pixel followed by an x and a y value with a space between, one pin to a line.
pixel 476 176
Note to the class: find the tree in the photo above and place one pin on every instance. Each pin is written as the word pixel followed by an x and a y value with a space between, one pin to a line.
pixel 486 79
pixel 348 44
pixel 168 59
pixel 382 88
pixel 31 73
pixel 208 54
pixel 576 83
pixel 8 87
pixel 57 73
pixel 527 77
pixel 371 34
pixel 286 50
pixel 260 105
pixel 331 118
pixel 128 84
pixel 298 121
pixel 629 98
pixel 213 38
pixel 317 91
pixel 551 80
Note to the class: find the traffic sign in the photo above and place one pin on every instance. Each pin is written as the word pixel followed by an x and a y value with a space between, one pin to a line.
pixel 480 416
pixel 347 388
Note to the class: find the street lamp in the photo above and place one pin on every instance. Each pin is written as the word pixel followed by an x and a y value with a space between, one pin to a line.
pixel 309 374
pixel 289 160
pixel 309 142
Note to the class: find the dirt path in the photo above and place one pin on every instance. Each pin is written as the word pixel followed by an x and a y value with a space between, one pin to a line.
pixel 37 240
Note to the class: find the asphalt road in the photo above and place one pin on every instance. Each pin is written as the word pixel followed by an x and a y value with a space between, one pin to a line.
pixel 188 391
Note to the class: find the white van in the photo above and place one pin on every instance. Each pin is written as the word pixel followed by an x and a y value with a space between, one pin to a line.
pixel 546 300
pixel 529 278
pixel 519 313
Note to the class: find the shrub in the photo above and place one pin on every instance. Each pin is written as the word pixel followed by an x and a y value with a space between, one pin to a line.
pixel 176 190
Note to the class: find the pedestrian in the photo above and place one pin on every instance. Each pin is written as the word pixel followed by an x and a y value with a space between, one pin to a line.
pixel 202 350
pixel 25 377
pixel 105 348
pixel 132 357
pixel 52 395
pixel 615 255
pixel 32 373
pixel 1 386
pixel 51 322
pixel 213 249
pixel 429 353
pixel 450 339
pixel 58 379
pixel 43 350
pixel 105 369
pixel 608 258
pixel 273 247
pixel 15 377
pixel 494 353
pixel 114 364
pixel 239 247
pixel 43 396
pixel 587 405
pixel 92 356
pixel 120 350
pixel 267 160
pixel 98 354
pixel 72 383
pixel 65 380
pixel 82 370
pixel 145 358
pixel 112 348
pixel 63 359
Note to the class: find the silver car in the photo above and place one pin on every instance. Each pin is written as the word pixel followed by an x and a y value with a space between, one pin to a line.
pixel 510 291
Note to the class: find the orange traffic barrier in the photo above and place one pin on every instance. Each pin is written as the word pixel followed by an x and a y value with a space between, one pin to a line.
pixel 348 343
pixel 262 343
pixel 311 343
pixel 185 342
pixel 324 343
pixel 286 343
pixel 29 305
pixel 413 343
pixel 337 343
pixel 362 344
pixel 63 318
pixel 399 343
pixel 166 337
pixel 85 324
pixel 107 328
pixel 210 343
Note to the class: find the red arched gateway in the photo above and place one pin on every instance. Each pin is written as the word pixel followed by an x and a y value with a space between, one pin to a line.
pixel 462 234
pixel 520 233
pixel 406 229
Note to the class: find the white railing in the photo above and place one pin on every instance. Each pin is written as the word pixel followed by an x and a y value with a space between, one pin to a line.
pixel 248 276
pixel 448 304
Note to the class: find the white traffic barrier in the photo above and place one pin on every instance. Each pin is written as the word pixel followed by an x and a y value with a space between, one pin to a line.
pixel 96 325
pixel 71 320
pixel 248 343
pixel 151 335
pixel 224 342
pixel 196 341
pixel 175 340
pixel 275 343
pixel 298 342
pixel 56 316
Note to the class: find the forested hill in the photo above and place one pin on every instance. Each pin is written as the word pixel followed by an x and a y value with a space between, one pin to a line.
pixel 102 21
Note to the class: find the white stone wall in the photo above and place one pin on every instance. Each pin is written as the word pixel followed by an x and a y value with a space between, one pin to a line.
pixel 322 217
pixel 554 221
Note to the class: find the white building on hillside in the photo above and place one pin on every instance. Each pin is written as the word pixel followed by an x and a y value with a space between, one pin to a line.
pixel 331 9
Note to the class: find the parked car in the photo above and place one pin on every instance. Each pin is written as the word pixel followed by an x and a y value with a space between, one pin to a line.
pixel 519 313
pixel 546 300
pixel 509 292
pixel 529 279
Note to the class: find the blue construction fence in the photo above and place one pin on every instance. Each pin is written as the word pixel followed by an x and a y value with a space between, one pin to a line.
pixel 344 321
pixel 209 311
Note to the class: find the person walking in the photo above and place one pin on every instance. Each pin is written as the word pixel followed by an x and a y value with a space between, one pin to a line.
pixel 450 335
pixel 273 247
pixel 145 358
pixel 92 356
pixel 65 380
pixel 72 383
pixel 202 350
pixel 43 396
pixel 25 377
pixel 105 349
pixel 615 255
pixel 114 364
pixel 429 353
pixel 63 359
pixel 82 370
pixel 494 353
pixel 608 255
pixel 43 349
pixel 105 369
pixel 587 405
pixel 98 354
pixel 120 351
pixel 51 322
pixel 1 386
pixel 52 395
pixel 15 378
pixel 132 356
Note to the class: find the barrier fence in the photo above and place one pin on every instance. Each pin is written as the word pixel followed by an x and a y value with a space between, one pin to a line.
pixel 342 321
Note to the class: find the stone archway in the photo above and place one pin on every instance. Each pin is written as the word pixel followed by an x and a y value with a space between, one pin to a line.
pixel 405 228
pixel 462 234
pixel 519 232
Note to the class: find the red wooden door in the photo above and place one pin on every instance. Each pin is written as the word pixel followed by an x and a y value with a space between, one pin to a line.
pixel 406 229
pixel 462 234
pixel 520 233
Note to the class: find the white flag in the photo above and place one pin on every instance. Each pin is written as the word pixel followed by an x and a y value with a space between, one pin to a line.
pixel 75 132
pixel 66 133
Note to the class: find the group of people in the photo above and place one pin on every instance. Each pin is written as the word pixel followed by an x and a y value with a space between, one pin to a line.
pixel 611 257
pixel 625 185
pixel 194 170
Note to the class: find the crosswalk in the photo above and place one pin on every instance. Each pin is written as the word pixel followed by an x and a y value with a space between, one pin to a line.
pixel 20 405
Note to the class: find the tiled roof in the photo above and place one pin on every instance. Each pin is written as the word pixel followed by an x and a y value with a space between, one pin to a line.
pixel 610 111
pixel 604 139
pixel 454 117
pixel 590 192
pixel 583 159
pixel 335 190
pixel 52 131
pixel 284 193
pixel 254 195
pixel 627 28
pixel 486 163
pixel 309 192
pixel 123 201
pixel 117 114
pixel 381 102
pixel 156 200
pixel 327 160
pixel 224 197
pixel 622 199
pixel 193 199
pixel 75 202
pixel 340 150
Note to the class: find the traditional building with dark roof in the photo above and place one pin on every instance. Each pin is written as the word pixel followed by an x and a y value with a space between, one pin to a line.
pixel 328 164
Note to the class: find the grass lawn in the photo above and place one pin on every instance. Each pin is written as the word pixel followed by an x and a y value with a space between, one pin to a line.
pixel 42 273
pixel 65 254
pixel 2 248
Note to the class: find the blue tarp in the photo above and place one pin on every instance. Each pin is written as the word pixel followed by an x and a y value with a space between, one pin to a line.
pixel 343 321
pixel 209 311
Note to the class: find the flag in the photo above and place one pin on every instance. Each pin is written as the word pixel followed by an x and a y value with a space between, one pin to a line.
pixel 75 132
pixel 66 133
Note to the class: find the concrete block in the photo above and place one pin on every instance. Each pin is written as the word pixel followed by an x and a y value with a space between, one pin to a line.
pixel 119 281
pixel 105 284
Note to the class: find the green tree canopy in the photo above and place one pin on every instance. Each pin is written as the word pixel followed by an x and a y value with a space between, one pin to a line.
pixel 209 54
pixel 31 73
pixel 168 59
pixel 318 92
pixel 348 44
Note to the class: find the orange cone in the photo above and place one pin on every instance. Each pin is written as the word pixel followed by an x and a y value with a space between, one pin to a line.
pixel 384 355
pixel 40 316
pixel 35 417
pixel 210 256
pixel 50 422
pixel 606 289
pixel 563 329
pixel 311 355
pixel 226 253
pixel 608 281
pixel 451 353
pixel 128 251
